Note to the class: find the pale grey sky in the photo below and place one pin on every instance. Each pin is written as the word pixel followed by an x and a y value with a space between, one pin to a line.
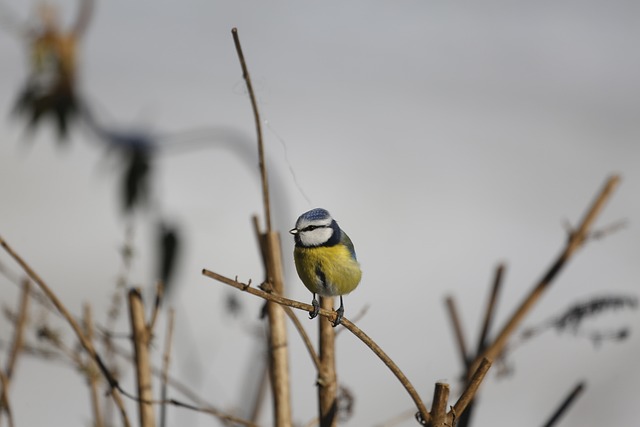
pixel 443 136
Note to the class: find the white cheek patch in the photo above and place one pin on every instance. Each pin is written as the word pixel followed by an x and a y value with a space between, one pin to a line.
pixel 316 237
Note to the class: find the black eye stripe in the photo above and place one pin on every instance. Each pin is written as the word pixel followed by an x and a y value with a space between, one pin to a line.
pixel 313 227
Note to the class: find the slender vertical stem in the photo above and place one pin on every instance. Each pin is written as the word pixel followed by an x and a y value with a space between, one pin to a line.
pixel 92 379
pixel 256 115
pixel 166 358
pixel 327 378
pixel 140 336
pixel 4 403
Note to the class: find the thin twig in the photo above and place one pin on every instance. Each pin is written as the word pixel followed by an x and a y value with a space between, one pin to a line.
pixel 20 326
pixel 4 403
pixel 91 370
pixel 88 346
pixel 457 329
pixel 256 115
pixel 331 315
pixel 439 405
pixel 305 337
pixel 166 358
pixel 85 10
pixel 576 239
pixel 566 403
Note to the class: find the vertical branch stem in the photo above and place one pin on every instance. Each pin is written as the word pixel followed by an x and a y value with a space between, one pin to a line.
pixel 327 378
pixel 490 311
pixel 141 337
pixel 256 115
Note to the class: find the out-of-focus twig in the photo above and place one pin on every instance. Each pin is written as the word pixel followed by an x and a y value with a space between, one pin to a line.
pixel 92 370
pixel 166 358
pixel 566 404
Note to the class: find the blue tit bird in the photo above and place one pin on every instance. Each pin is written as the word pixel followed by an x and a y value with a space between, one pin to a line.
pixel 325 258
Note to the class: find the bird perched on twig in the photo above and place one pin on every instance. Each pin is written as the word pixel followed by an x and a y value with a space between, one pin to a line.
pixel 325 258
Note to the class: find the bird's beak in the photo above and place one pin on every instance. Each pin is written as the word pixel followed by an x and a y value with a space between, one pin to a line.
pixel 293 231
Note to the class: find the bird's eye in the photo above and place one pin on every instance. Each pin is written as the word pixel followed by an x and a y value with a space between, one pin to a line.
pixel 311 227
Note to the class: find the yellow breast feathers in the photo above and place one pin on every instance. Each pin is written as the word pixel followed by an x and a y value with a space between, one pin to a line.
pixel 327 270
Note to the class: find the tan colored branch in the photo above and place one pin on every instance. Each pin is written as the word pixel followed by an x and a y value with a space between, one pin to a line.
pixel 327 378
pixel 472 387
pixel 304 336
pixel 4 403
pixel 141 340
pixel 21 322
pixel 92 371
pixel 439 416
pixel 331 315
pixel 256 115
pixel 87 345
pixel 166 359
pixel 576 239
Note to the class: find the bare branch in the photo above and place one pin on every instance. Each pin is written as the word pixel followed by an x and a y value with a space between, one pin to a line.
pixel 4 403
pixel 305 337
pixel 256 115
pixel 21 323
pixel 331 315
pixel 472 387
pixel 576 239
pixel 88 346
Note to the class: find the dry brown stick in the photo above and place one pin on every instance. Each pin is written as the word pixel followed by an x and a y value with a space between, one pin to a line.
pixel 472 387
pixel 576 239
pixel 305 337
pixel 141 339
pixel 566 403
pixel 439 416
pixel 327 378
pixel 87 345
pixel 457 329
pixel 331 315
pixel 91 369
pixel 256 115
pixel 4 403
pixel 21 322
pixel 166 358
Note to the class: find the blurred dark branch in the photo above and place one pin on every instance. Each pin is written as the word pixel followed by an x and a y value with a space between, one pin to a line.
pixel 5 405
pixel 331 315
pixel 457 329
pixel 490 310
pixel 566 404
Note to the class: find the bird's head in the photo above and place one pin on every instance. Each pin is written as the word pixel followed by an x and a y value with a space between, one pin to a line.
pixel 315 228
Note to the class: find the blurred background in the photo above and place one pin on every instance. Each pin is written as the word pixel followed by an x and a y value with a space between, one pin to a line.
pixel 444 137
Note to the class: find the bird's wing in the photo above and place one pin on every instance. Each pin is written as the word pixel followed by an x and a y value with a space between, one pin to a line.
pixel 345 240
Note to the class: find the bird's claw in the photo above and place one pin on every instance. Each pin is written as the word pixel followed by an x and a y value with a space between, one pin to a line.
pixel 316 309
pixel 339 314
